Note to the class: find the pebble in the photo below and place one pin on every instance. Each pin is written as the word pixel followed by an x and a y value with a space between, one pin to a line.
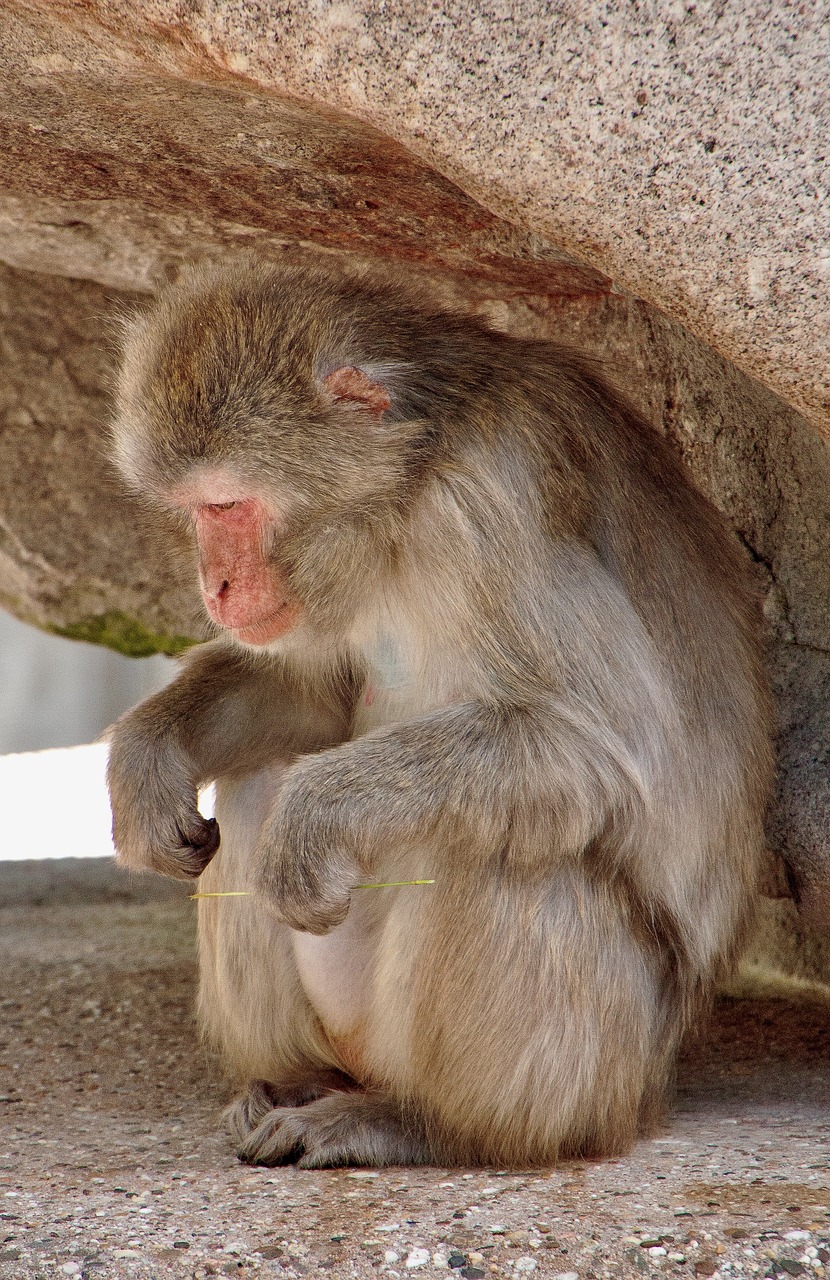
pixel 797 1235
pixel 566 1275
pixel 391 1256
pixel 71 1269
pixel 417 1258
pixel 526 1264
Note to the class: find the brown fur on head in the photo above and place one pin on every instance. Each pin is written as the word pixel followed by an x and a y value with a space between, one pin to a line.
pixel 272 383
pixel 241 369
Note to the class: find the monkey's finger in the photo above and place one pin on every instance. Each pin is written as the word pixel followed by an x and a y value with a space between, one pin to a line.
pixel 203 836
pixel 197 846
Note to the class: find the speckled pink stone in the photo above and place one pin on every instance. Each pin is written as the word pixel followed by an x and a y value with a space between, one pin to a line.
pixel 681 148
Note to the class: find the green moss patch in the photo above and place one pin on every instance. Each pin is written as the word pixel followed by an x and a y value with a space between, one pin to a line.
pixel 123 634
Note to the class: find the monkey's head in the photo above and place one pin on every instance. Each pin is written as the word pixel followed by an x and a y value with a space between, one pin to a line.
pixel 266 408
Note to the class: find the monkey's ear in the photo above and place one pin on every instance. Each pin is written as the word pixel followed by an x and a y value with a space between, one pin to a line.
pixel 352 384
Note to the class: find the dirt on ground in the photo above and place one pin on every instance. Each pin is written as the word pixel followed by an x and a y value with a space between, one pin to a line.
pixel 114 1161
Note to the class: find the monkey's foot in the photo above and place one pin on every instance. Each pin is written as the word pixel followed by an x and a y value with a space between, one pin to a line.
pixel 338 1129
pixel 245 1113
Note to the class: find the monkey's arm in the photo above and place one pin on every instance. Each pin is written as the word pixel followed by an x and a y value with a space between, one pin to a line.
pixel 226 712
pixel 473 772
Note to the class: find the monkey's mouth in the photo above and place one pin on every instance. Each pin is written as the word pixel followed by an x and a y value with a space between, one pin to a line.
pixel 272 627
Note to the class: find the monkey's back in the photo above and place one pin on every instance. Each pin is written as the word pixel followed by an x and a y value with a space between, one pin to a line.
pixel 611 485
pixel 609 479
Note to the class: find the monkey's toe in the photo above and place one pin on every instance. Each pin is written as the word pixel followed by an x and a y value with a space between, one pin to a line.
pixel 335 1130
pixel 246 1113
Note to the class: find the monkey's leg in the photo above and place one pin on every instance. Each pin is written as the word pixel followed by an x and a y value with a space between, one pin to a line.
pixel 252 1005
pixel 526 1020
pixel 512 1023
pixel 295 1100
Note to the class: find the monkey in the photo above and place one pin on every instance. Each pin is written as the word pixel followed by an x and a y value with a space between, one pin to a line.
pixel 473 625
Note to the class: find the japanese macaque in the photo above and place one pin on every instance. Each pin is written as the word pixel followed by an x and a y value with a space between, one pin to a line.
pixel 475 626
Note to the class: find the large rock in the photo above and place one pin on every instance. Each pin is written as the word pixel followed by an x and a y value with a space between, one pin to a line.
pixel 680 148
pixel 116 166
pixel 76 555
pixel 140 137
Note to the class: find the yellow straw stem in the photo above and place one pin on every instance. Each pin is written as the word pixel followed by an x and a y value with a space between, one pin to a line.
pixel 245 893
pixel 227 893
pixel 393 884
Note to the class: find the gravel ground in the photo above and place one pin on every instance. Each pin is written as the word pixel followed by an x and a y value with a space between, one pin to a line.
pixel 113 1161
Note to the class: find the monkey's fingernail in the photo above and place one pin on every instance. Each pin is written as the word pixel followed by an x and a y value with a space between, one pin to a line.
pixel 212 836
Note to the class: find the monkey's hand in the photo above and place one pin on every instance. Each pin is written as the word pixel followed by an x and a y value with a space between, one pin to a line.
pixel 306 865
pixel 156 825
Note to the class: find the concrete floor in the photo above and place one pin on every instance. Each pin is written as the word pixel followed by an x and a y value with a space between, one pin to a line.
pixel 113 1161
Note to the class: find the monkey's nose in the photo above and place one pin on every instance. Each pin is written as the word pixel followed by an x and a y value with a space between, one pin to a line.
pixel 218 597
pixel 213 587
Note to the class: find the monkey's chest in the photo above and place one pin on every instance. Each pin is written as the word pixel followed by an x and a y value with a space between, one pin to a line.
pixel 401 683
pixel 339 970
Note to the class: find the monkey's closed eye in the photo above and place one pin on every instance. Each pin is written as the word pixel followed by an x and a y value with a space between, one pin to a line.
pixel 220 506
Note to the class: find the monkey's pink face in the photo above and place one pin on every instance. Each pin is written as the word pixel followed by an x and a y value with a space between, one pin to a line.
pixel 242 589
